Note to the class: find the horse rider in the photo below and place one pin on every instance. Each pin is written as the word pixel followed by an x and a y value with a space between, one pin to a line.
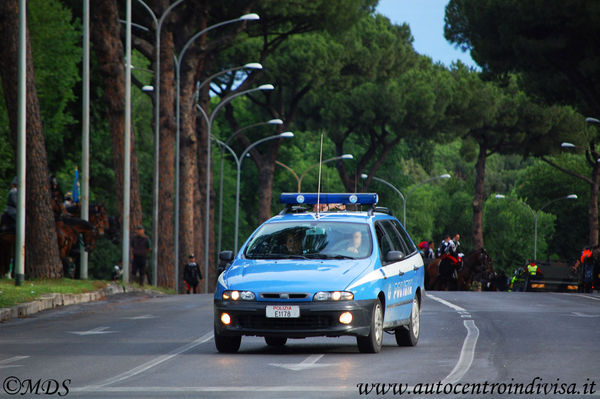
pixel 587 273
pixel 9 219
pixel 442 249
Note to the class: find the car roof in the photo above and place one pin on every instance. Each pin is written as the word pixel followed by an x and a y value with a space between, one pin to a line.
pixel 341 216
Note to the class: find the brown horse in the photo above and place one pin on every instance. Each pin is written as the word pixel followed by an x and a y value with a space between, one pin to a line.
pixel 476 266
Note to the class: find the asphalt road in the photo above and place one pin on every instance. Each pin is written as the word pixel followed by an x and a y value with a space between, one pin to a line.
pixel 136 346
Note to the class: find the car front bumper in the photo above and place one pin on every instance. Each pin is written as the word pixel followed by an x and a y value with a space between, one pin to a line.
pixel 316 319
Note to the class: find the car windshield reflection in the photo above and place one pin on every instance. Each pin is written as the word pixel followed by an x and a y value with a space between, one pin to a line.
pixel 314 240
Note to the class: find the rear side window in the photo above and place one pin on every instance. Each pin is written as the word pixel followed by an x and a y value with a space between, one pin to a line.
pixel 410 245
pixel 397 242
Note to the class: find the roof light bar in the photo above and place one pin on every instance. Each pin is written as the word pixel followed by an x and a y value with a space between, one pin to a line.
pixel 329 198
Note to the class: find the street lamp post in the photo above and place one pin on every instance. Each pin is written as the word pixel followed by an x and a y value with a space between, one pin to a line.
pixel 178 60
pixel 238 161
pixel 405 198
pixel 303 174
pixel 209 121
pixel 158 22
pixel 235 134
pixel 536 215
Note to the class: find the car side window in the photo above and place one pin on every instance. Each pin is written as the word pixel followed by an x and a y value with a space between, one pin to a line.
pixel 383 241
pixel 397 242
pixel 410 245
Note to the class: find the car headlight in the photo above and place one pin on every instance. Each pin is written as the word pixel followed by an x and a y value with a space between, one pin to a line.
pixel 333 296
pixel 235 295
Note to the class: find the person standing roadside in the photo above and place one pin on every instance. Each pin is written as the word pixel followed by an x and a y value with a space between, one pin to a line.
pixel 192 275
pixel 140 246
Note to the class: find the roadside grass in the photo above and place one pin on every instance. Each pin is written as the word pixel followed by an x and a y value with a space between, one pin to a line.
pixel 11 295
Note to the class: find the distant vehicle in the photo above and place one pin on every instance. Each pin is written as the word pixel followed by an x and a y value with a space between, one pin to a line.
pixel 303 274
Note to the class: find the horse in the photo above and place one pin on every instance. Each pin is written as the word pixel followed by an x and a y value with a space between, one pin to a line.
pixel 475 266
pixel 68 231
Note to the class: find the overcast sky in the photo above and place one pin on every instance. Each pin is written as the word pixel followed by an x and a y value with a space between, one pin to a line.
pixel 426 21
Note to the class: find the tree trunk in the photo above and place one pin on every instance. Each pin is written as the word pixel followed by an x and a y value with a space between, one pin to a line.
pixel 41 247
pixel 593 207
pixel 478 199
pixel 109 52
pixel 166 201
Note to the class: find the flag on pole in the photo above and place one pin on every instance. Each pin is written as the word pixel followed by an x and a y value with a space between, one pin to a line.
pixel 76 187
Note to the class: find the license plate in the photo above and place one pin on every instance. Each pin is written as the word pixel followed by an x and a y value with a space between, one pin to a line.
pixel 283 311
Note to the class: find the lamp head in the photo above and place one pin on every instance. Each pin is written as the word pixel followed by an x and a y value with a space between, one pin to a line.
pixel 572 196
pixel 445 176
pixel 499 196
pixel 147 88
pixel 364 176
pixel 592 120
pixel 249 17
pixel 347 156
pixel 275 122
pixel 286 135
pixel 266 87
pixel 567 145
pixel 253 65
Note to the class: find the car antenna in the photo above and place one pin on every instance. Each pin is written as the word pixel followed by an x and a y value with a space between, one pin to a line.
pixel 319 181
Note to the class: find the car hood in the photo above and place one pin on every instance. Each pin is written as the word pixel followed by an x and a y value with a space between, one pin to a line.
pixel 294 275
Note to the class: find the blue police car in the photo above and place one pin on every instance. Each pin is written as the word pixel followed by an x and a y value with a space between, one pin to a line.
pixel 305 273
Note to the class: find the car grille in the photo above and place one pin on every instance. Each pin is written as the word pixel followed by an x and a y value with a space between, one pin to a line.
pixel 257 322
pixel 283 295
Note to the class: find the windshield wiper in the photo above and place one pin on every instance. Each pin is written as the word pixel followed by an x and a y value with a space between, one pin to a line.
pixel 276 256
pixel 327 256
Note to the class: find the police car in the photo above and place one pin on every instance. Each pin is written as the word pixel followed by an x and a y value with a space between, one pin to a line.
pixel 305 273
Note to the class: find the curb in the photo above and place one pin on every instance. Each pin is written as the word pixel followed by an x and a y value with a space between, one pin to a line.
pixel 53 301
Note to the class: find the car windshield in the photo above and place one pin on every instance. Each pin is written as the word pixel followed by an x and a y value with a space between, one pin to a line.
pixel 311 240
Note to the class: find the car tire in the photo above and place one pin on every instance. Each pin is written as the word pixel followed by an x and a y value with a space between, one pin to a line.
pixel 227 343
pixel 275 341
pixel 372 342
pixel 409 335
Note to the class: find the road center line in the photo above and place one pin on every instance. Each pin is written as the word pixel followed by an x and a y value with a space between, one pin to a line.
pixel 467 353
pixel 153 363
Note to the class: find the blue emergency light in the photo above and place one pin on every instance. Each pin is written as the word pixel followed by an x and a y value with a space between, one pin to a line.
pixel 329 198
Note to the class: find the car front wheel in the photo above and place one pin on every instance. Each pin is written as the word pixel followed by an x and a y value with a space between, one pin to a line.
pixel 227 343
pixel 372 342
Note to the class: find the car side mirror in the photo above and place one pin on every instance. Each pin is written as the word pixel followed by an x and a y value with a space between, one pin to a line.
pixel 226 256
pixel 394 256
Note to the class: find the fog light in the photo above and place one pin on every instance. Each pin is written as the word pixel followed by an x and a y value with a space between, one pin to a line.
pixel 346 318
pixel 225 319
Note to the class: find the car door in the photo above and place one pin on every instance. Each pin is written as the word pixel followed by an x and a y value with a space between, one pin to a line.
pixel 399 273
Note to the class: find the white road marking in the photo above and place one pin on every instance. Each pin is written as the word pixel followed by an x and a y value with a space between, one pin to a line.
pixel 449 304
pixel 4 363
pixel 467 352
pixel 595 298
pixel 308 363
pixel 228 388
pixel 584 315
pixel 153 363
pixel 94 331
pixel 146 316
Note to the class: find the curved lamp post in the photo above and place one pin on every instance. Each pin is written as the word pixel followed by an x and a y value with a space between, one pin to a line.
pixel 536 214
pixel 405 198
pixel 209 121
pixel 235 134
pixel 303 174
pixel 238 161
pixel 178 60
